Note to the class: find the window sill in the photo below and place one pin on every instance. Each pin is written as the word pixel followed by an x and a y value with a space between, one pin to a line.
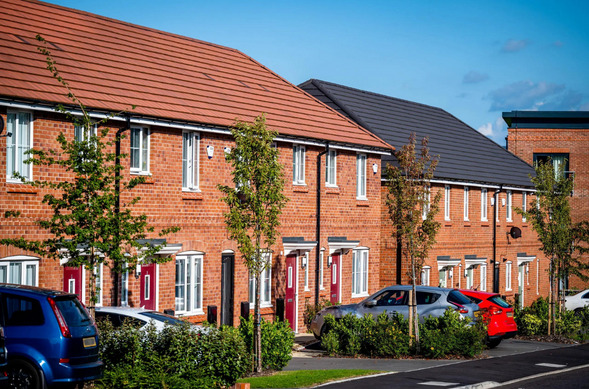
pixel 21 188
pixel 332 190
pixel 300 188
pixel 192 195
pixel 190 313
pixel 362 203
pixel 360 295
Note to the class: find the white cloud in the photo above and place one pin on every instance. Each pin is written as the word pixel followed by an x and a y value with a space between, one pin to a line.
pixel 486 129
pixel 525 95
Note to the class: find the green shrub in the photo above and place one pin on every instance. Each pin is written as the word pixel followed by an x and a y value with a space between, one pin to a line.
pixel 568 323
pixel 311 310
pixel 531 325
pixel 387 336
pixel 277 341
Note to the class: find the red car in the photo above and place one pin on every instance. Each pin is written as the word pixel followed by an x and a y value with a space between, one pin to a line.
pixel 497 313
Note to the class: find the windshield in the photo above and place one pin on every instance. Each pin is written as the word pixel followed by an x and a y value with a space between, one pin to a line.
pixel 73 312
pixel 163 318
pixel 499 301
pixel 458 298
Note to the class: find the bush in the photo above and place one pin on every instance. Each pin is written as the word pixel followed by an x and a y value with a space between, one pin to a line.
pixel 387 336
pixel 567 323
pixel 176 357
pixel 531 325
pixel 277 342
pixel 311 310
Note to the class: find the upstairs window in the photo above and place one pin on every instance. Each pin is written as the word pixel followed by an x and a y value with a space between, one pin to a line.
pixel 190 161
pixel 426 202
pixel 466 201
pixel 508 210
pixel 447 202
pixel 361 176
pixel 298 165
pixel 560 162
pixel 330 168
pixel 484 204
pixel 524 205
pixel 140 150
pixel 20 125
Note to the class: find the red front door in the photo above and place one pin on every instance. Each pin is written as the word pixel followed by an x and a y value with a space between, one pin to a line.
pixel 73 280
pixel 334 296
pixel 148 288
pixel 290 305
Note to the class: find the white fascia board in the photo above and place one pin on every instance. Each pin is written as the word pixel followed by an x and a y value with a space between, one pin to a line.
pixel 298 248
pixel 478 185
pixel 448 263
pixel 524 260
pixel 471 262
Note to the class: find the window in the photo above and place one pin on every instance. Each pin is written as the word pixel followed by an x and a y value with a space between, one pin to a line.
pixel 508 211
pixel 306 258
pixel 140 150
pixel 298 164
pixel 190 160
pixel 23 270
pixel 321 255
pixel 443 278
pixel 483 285
pixel 426 202
pixel 330 168
pixel 189 283
pixel 125 287
pixel 560 162
pixel 469 278
pixel 508 276
pixel 98 273
pixel 425 272
pixel 524 205
pixel 266 281
pixel 360 273
pixel 82 133
pixel 466 193
pixel 447 202
pixel 361 176
pixel 484 204
pixel 22 311
pixel 392 297
pixel 20 124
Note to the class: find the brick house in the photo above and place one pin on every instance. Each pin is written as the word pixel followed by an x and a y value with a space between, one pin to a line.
pixel 564 137
pixel 187 94
pixel 477 178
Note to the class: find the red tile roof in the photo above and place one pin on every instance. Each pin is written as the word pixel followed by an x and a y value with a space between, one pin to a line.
pixel 112 65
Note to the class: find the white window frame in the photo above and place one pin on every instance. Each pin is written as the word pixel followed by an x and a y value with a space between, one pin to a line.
pixel 266 280
pixel 426 203
pixel 483 280
pixel 524 205
pixel 447 193
pixel 298 164
pixel 99 290
pixel 442 278
pixel 469 277
pixel 321 259
pixel 190 161
pixel 331 168
pixel 425 275
pixel 192 269
pixel 466 202
pixel 81 133
pixel 484 205
pixel 360 272
pixel 306 257
pixel 361 161
pixel 24 261
pixel 142 149
pixel 508 269
pixel 125 287
pixel 17 151
pixel 509 203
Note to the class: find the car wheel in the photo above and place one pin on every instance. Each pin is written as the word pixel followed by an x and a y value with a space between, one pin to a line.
pixel 493 343
pixel 23 375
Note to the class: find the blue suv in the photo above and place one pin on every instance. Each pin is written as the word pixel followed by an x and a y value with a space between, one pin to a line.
pixel 51 340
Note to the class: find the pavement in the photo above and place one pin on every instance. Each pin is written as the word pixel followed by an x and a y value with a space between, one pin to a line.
pixel 308 356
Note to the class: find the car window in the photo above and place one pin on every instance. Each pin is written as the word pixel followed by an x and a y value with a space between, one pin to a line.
pixel 22 311
pixel 586 295
pixel 391 297
pixel 474 299
pixel 73 312
pixel 499 301
pixel 427 298
pixel 163 318
pixel 458 298
pixel 118 320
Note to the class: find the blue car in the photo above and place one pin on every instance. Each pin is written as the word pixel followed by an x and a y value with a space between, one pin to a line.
pixel 51 340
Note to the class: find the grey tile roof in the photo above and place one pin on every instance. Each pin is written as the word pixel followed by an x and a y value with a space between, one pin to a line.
pixel 465 154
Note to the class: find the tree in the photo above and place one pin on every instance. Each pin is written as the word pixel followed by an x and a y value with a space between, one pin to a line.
pixel 87 226
pixel 560 239
pixel 255 203
pixel 412 213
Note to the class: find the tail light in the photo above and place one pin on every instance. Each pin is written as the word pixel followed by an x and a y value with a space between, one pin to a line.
pixel 493 310
pixel 65 330
pixel 459 308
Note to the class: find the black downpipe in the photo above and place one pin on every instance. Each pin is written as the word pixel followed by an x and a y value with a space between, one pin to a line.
pixel 118 194
pixel 495 264
pixel 318 222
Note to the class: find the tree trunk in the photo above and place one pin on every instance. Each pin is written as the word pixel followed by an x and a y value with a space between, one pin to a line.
pixel 257 326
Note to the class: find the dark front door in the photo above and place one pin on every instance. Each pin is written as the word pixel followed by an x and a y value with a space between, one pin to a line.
pixel 334 296
pixel 227 269
pixel 290 305
pixel 148 287
pixel 73 280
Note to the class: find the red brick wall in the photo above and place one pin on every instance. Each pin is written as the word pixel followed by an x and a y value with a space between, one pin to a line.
pixel 200 214
pixel 524 142
pixel 458 238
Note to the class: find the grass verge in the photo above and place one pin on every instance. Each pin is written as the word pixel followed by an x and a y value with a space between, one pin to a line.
pixel 304 378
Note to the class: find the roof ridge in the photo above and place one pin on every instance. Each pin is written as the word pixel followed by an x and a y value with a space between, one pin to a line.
pixel 128 24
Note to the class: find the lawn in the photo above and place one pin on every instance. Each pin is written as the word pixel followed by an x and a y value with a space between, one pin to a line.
pixel 303 378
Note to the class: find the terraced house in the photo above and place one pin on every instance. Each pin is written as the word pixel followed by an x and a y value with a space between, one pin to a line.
pixel 483 243
pixel 187 95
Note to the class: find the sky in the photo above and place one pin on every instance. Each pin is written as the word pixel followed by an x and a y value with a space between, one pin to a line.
pixel 474 59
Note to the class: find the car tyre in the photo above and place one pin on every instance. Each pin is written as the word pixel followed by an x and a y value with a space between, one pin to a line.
pixel 493 343
pixel 23 375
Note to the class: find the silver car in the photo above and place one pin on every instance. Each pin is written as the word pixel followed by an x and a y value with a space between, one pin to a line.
pixel 431 301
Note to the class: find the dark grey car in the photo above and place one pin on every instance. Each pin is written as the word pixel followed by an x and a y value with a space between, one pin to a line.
pixel 431 301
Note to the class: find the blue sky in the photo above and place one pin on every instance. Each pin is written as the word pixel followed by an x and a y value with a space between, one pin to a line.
pixel 475 59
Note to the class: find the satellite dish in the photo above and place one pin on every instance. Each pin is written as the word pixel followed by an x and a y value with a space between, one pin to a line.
pixel 515 232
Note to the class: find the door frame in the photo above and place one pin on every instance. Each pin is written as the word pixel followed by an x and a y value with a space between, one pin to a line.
pixel 83 280
pixel 156 286
pixel 231 254
pixel 296 289
pixel 339 275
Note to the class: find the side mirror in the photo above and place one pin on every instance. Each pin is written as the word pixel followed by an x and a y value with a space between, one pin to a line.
pixel 370 303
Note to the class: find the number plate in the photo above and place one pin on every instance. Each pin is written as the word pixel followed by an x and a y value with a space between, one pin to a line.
pixel 477 314
pixel 509 314
pixel 89 342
